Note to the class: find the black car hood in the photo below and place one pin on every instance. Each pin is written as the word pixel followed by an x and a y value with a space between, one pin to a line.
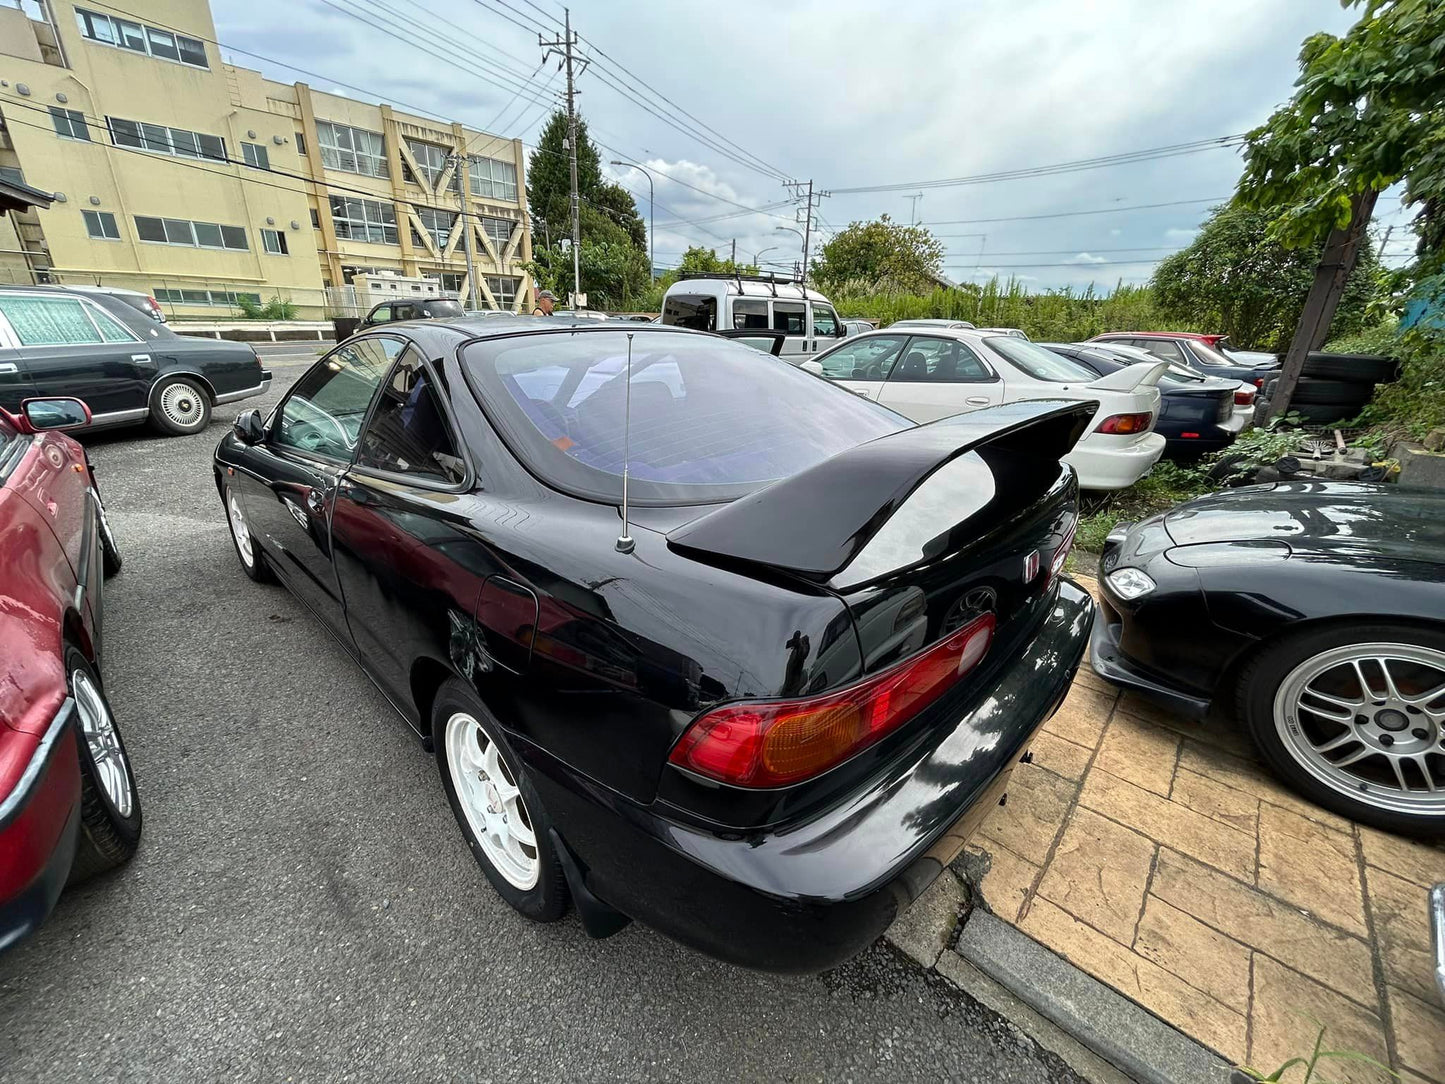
pixel 1319 517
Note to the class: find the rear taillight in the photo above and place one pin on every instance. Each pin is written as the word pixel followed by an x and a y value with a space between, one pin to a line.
pixel 1259 382
pixel 156 310
pixel 1244 397
pixel 1125 423
pixel 779 742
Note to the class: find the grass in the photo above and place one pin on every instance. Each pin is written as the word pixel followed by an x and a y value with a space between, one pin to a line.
pixel 1162 488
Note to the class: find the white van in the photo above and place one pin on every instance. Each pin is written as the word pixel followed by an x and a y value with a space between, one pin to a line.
pixel 717 302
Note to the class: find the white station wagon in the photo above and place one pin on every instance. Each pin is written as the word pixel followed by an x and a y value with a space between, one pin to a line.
pixel 926 373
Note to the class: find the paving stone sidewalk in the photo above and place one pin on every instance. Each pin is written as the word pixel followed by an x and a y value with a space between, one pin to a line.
pixel 1161 857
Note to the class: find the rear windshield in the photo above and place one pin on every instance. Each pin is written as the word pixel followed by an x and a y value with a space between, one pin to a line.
pixel 711 419
pixel 1039 363
pixel 440 310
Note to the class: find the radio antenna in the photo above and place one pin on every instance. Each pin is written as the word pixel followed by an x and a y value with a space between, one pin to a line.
pixel 624 540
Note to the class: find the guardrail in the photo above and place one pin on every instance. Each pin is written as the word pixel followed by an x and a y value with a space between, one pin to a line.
pixel 255 330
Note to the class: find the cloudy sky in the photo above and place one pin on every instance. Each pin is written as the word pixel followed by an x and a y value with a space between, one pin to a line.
pixel 719 102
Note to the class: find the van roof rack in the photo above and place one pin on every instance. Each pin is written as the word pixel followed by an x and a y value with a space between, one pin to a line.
pixel 768 278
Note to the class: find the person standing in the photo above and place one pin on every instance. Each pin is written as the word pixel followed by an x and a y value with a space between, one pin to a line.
pixel 546 301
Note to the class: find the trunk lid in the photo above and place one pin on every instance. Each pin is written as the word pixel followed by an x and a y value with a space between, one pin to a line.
pixel 920 531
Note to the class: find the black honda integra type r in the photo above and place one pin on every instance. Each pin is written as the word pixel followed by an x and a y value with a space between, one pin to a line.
pixel 761 723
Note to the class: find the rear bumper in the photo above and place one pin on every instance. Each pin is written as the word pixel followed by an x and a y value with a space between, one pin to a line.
pixel 1104 467
pixel 39 825
pixel 811 896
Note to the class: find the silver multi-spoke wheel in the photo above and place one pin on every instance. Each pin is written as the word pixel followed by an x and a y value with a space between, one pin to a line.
pixel 111 768
pixel 487 791
pixel 1368 720
pixel 182 404
pixel 239 530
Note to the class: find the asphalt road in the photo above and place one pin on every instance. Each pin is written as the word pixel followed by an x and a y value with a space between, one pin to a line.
pixel 302 906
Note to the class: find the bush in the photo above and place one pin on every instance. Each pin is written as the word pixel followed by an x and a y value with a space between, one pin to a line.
pixel 274 309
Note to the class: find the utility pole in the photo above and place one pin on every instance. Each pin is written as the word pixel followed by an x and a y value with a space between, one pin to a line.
pixel 806 218
pixel 913 207
pixel 565 46
pixel 462 164
pixel 734 257
pixel 1336 263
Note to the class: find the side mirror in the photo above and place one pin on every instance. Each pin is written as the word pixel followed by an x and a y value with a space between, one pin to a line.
pixel 249 427
pixel 61 412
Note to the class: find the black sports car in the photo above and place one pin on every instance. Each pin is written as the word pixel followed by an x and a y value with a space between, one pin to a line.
pixel 760 708
pixel 125 366
pixel 1313 610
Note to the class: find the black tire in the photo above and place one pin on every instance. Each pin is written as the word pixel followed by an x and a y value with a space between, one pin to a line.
pixel 110 558
pixel 1261 680
pixel 255 566
pixel 180 406
pixel 109 834
pixel 546 900
pixel 1332 392
pixel 1353 368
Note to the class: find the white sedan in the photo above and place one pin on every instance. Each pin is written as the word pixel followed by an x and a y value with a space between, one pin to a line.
pixel 926 374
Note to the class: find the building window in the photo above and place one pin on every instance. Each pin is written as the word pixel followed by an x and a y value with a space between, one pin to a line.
pixel 255 155
pixel 352 150
pixel 430 159
pixel 12 174
pixel 69 123
pixel 301 144
pixel 203 297
pixel 180 231
pixel 498 229
pixel 491 178
pixel 450 282
pixel 124 34
pixel 162 140
pixel 101 225
pixel 315 219
pixel 364 220
pixel 437 223
pixel 274 242
pixel 504 290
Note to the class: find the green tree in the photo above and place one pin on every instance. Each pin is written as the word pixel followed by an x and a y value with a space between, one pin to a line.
pixel 607 212
pixel 706 260
pixel 614 274
pixel 1235 279
pixel 890 257
pixel 1368 111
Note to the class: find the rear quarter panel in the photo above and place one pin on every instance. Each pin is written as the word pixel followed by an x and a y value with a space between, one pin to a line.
pixel 35 581
pixel 226 366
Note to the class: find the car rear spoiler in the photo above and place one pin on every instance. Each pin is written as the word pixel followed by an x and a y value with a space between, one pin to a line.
pixel 814 523
pixel 1142 374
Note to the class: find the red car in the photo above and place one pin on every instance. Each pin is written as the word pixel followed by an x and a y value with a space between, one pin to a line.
pixel 68 805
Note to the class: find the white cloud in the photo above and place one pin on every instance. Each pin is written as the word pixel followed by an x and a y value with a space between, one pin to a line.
pixel 1085 257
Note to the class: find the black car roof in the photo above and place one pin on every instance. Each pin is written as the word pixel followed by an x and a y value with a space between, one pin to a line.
pixel 466 328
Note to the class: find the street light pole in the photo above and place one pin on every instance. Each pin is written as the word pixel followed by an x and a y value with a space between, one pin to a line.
pixel 758 256
pixel 803 239
pixel 651 216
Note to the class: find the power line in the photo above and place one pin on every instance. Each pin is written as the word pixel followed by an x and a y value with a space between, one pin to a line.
pixel 1124 158
pixel 1075 263
pixel 1081 248
pixel 1070 214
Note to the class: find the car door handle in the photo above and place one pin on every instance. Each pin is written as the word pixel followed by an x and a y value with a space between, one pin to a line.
pixel 313 503
pixel 977 400
pixel 861 391
pixel 8 368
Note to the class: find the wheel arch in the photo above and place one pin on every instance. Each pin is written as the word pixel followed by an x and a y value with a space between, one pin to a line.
pixel 74 632
pixel 427 677
pixel 169 374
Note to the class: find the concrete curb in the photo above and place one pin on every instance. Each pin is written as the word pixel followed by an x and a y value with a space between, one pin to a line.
pixel 1105 1022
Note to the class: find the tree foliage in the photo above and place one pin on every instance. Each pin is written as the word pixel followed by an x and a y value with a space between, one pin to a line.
pixel 1235 279
pixel 1368 111
pixel 614 274
pixel 890 256
pixel 607 212
pixel 706 260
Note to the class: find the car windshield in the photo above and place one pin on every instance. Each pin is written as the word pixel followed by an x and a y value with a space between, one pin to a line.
pixel 1212 355
pixel 440 310
pixel 1039 363
pixel 711 420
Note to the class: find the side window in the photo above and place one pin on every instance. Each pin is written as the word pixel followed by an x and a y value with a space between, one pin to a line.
pixel 940 361
pixel 685 310
pixel 324 412
pixel 825 321
pixel 750 313
pixel 381 314
pixel 111 329
pixel 790 316
pixel 49 321
pixel 866 359
pixel 408 432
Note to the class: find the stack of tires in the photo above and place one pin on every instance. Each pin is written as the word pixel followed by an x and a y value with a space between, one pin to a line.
pixel 1335 387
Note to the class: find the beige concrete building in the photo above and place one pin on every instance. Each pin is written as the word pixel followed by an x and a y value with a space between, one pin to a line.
pixel 206 184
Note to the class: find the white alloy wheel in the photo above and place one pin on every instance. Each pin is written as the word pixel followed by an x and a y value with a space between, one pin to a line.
pixel 487 791
pixel 111 768
pixel 239 530
pixel 182 404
